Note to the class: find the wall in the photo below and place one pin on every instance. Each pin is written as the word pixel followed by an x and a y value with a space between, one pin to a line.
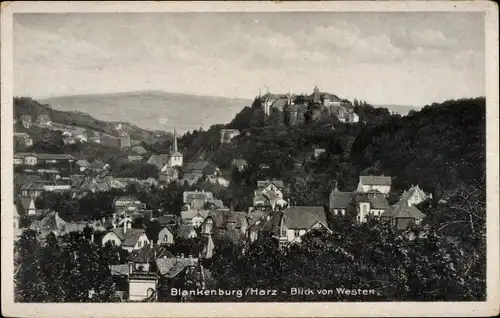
pixel 381 188
pixel 111 237
pixel 165 233
pixel 138 289
pixel 141 242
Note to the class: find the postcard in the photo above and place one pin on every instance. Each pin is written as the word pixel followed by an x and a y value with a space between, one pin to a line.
pixel 250 159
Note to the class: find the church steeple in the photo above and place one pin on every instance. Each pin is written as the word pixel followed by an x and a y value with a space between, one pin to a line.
pixel 175 142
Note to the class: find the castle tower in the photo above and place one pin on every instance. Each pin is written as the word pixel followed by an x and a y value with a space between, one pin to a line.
pixel 175 142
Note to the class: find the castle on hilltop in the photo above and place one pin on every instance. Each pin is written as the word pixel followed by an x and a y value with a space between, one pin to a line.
pixel 291 109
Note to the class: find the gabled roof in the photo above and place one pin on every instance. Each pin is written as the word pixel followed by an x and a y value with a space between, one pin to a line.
pixel 341 200
pixel 159 160
pixel 375 180
pixel 223 217
pixel 33 186
pixel 51 222
pixel 130 237
pixel 185 230
pixel 83 163
pixel 149 254
pixel 265 183
pixel 303 217
pixel 171 267
pixel 402 210
pixel 26 117
pixel 119 270
pixel 190 214
pixel 377 200
pixel 196 166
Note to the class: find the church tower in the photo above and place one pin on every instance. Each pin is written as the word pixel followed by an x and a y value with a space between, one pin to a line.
pixel 175 159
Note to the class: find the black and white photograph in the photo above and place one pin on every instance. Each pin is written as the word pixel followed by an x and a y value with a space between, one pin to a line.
pixel 251 157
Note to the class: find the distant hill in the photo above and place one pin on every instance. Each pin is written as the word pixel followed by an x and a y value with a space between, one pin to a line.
pixel 399 109
pixel 154 110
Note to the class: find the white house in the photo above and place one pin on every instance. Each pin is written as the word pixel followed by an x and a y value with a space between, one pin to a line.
pixel 381 184
pixel 166 236
pixel 292 223
pixel 128 238
pixel 370 204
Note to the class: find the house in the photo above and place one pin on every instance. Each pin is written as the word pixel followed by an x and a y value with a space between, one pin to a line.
pixel 23 139
pixel 159 160
pixel 98 166
pixel 190 178
pixel 224 220
pixel 168 219
pixel 125 140
pixel 403 215
pixel 339 201
pixel 44 121
pixel 55 158
pixel 370 204
pixel 227 134
pixel 128 238
pixel 142 274
pixel 269 193
pixel 26 121
pixel 240 164
pixel 381 184
pixel 26 206
pixel 415 195
pixel 29 159
pixel 128 205
pixel 168 175
pixel 186 231
pixel 177 272
pixel 318 152
pixel 166 235
pixel 201 168
pixel 196 199
pixel 193 217
pixel 32 189
pixel 82 164
pixel 289 225
pixel 51 223
pixel 100 184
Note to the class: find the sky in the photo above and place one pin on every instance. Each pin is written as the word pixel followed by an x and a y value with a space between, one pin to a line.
pixel 405 58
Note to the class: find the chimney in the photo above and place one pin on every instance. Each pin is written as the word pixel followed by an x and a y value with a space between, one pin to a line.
pixel 125 226
pixel 151 243
pixel 130 267
pixel 92 237
pixel 182 255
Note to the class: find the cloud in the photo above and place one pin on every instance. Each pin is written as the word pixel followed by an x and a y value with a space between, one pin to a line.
pixel 431 38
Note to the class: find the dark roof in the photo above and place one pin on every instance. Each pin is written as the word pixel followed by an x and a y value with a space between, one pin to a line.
pixel 377 200
pixel 402 210
pixel 375 180
pixel 147 254
pixel 171 267
pixel 167 219
pixel 189 196
pixel 129 238
pixel 34 186
pixel 159 160
pixel 341 200
pixel 197 166
pixel 184 230
pixel 303 217
pixel 223 217
pixel 51 222
pixel 265 183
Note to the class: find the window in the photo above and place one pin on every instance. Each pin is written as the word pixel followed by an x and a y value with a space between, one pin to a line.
pixel 297 233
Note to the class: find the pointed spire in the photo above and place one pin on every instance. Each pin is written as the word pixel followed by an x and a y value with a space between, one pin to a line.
pixel 175 142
